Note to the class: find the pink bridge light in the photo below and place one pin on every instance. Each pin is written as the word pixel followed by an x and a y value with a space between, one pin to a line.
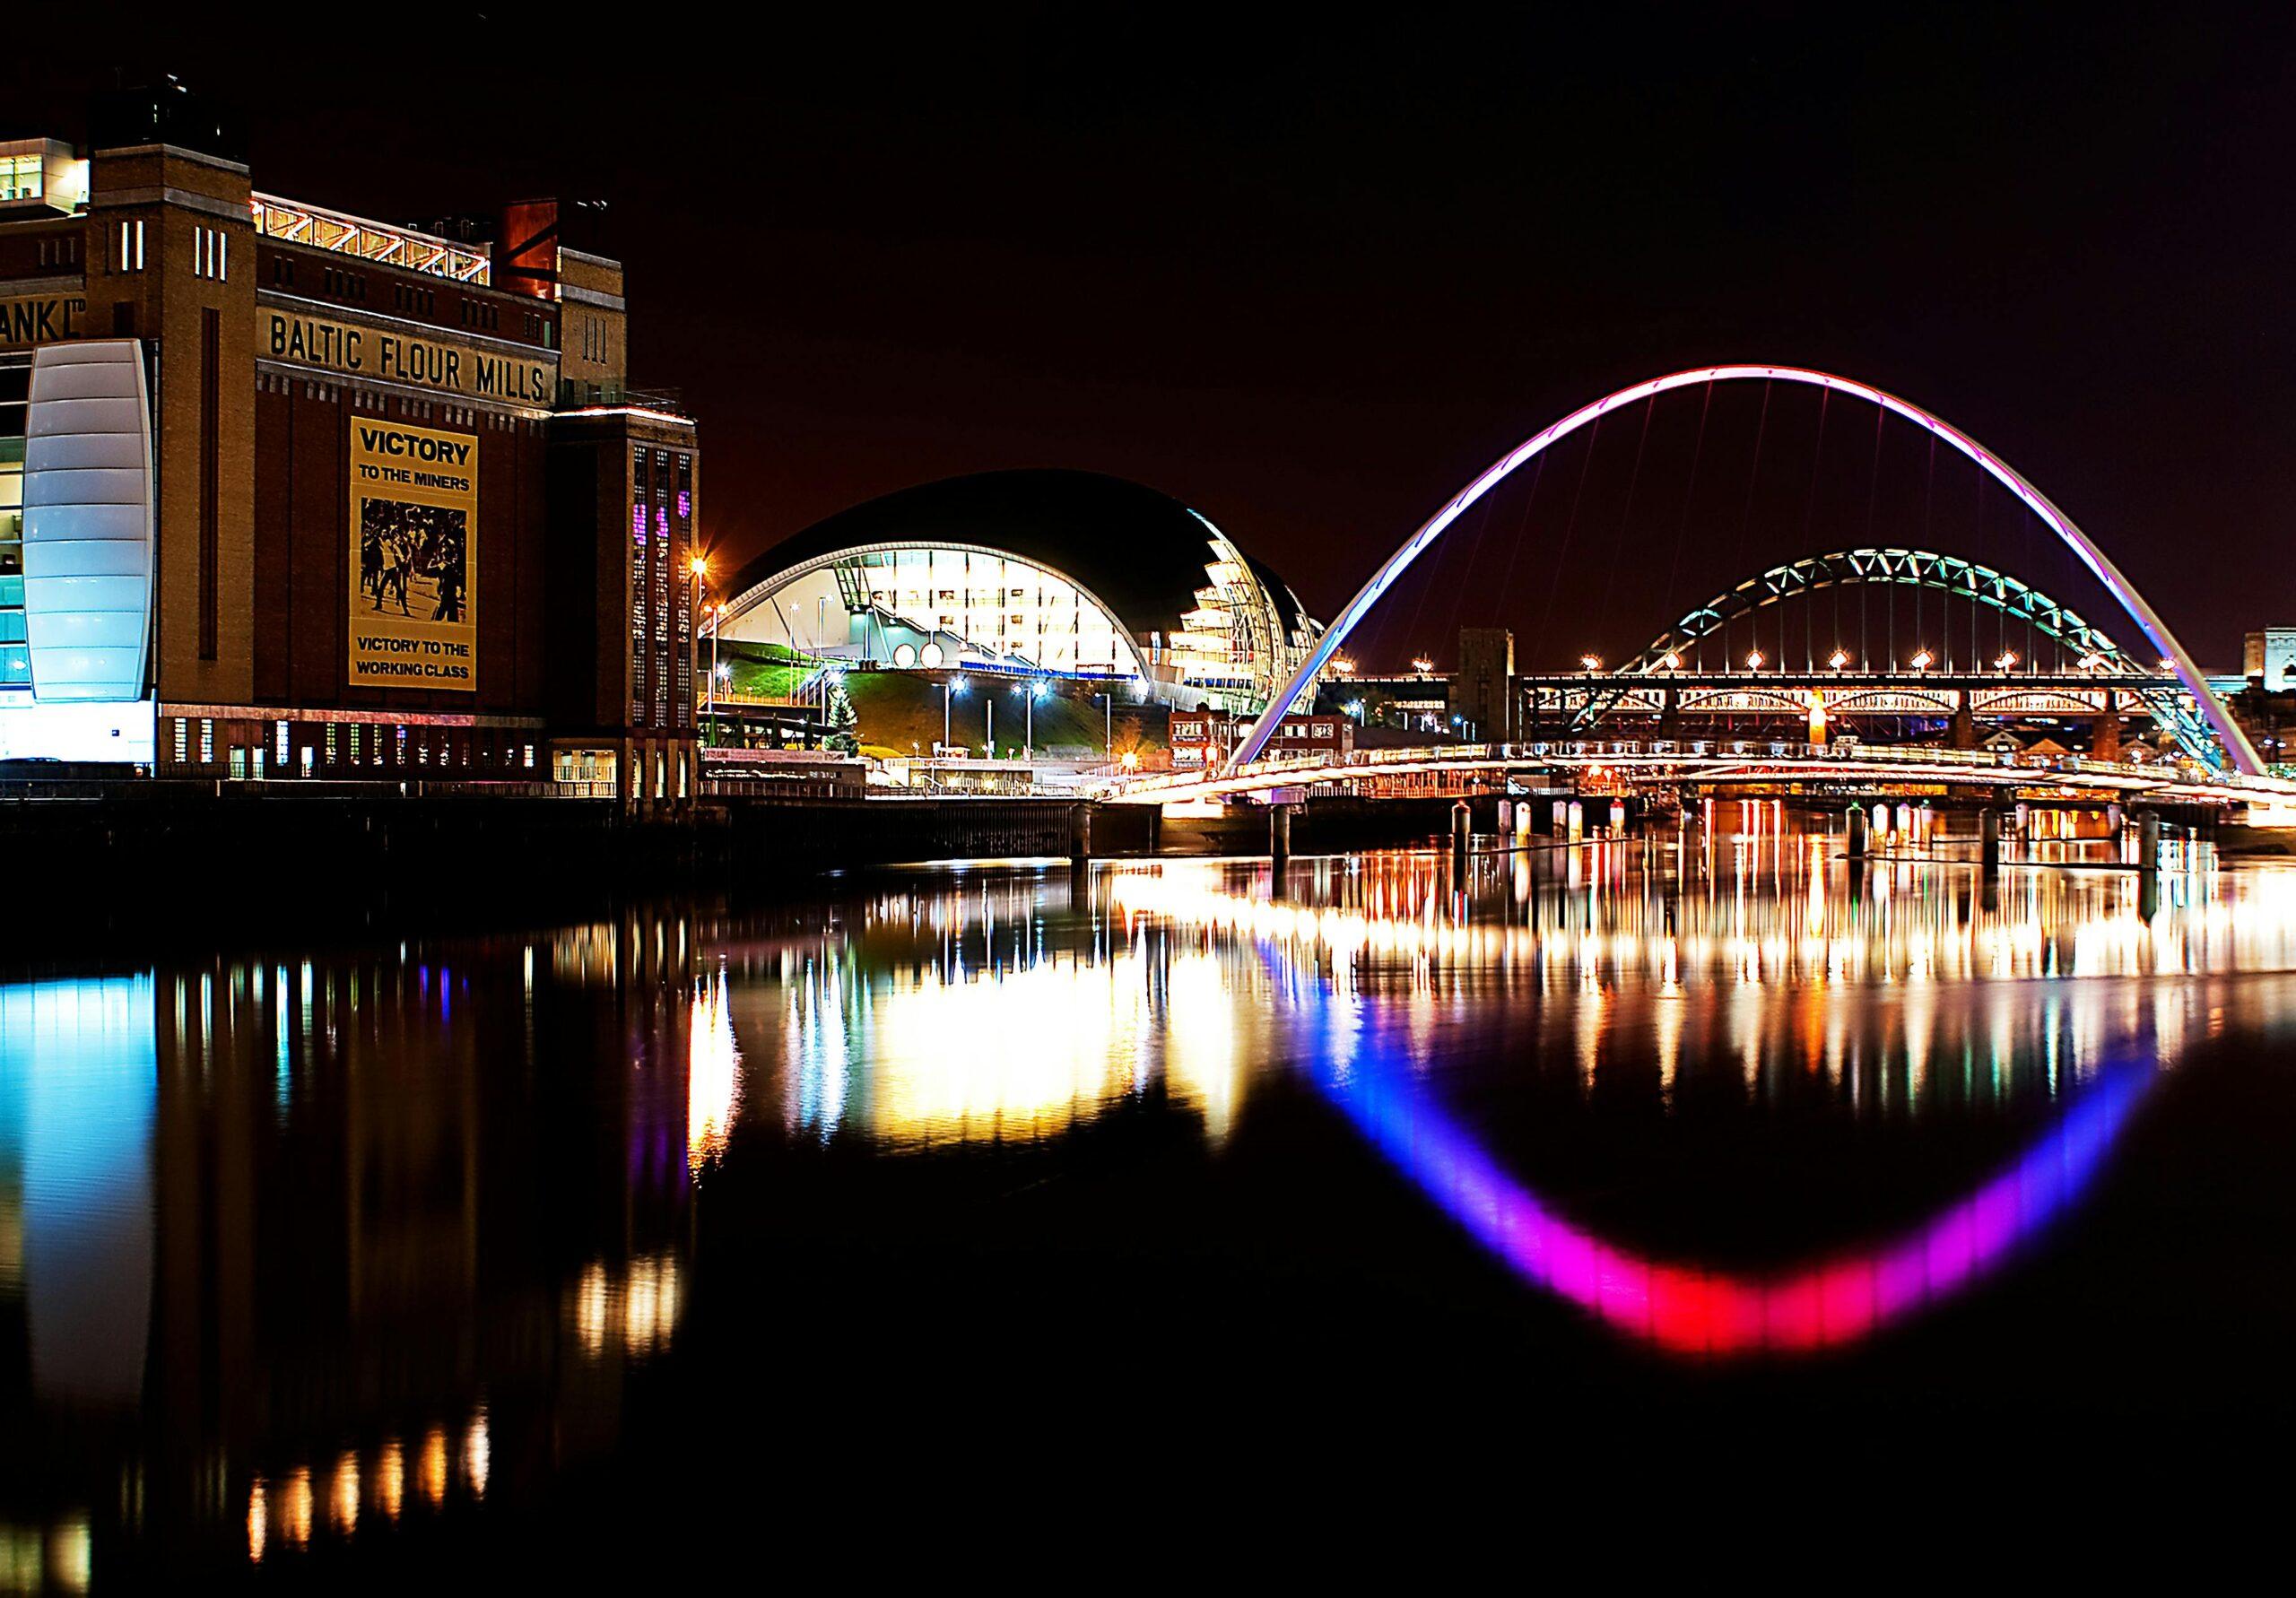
pixel 2236 744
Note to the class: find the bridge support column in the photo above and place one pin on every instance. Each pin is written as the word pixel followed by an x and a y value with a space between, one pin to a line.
pixel 1854 827
pixel 1155 828
pixel 2105 745
pixel 1080 834
pixel 1670 715
pixel 1279 835
pixel 1964 723
pixel 1462 834
pixel 2148 842
pixel 1988 841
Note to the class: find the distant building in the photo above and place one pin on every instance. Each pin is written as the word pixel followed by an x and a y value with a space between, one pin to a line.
pixel 1201 739
pixel 2270 659
pixel 1482 691
pixel 1068 574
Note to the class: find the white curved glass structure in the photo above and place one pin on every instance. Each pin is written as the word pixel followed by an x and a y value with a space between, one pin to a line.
pixel 2237 749
pixel 978 605
pixel 1068 573
pixel 88 553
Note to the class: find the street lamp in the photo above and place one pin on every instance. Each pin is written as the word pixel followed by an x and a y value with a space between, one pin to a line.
pixel 1028 693
pixel 1108 726
pixel 2007 660
pixel 1422 665
pixel 1921 659
pixel 949 685
pixel 1837 659
pixel 1753 660
pixel 1593 662
pixel 1671 661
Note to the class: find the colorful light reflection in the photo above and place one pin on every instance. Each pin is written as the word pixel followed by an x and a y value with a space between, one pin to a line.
pixel 1685 1309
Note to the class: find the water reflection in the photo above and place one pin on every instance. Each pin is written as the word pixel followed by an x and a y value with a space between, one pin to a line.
pixel 319 1247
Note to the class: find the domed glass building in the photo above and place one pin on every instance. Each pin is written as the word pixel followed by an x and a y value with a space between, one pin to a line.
pixel 1069 573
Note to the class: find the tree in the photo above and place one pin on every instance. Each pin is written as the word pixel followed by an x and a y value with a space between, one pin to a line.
pixel 842 718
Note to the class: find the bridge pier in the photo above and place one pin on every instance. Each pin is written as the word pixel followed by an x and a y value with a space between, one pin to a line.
pixel 1854 824
pixel 2105 745
pixel 1988 841
pixel 1080 834
pixel 1964 723
pixel 1462 835
pixel 2148 843
pixel 1278 835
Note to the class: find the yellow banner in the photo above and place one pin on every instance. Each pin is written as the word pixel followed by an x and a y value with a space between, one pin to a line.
pixel 414 557
pixel 339 346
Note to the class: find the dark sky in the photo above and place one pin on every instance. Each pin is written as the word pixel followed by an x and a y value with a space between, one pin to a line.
pixel 1312 275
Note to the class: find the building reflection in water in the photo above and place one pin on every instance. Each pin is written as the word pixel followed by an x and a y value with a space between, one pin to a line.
pixel 292 1249
pixel 314 1248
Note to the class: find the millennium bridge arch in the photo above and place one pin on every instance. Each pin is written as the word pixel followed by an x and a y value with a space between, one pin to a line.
pixel 2234 745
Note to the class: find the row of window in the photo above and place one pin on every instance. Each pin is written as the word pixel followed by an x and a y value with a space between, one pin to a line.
pixel 61 249
pixel 210 254
pixel 354 743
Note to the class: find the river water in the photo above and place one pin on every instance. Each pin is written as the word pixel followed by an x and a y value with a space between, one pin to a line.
pixel 328 1258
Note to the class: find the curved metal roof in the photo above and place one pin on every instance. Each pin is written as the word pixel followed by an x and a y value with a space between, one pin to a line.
pixel 1141 552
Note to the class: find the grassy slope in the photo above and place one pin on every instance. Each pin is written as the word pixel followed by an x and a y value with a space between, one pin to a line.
pixel 901 709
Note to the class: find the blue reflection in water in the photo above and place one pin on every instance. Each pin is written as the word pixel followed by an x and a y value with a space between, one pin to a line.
pixel 79 1079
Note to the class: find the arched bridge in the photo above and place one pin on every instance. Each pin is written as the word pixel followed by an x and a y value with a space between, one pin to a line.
pixel 2221 745
pixel 1855 674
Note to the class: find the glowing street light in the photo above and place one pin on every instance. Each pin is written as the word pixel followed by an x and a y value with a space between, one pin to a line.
pixel 2006 659
pixel 1343 665
pixel 1921 659
pixel 1671 661
pixel 1029 694
pixel 2090 661
pixel 1593 662
pixel 1753 660
pixel 1422 664
pixel 1837 659
pixel 951 685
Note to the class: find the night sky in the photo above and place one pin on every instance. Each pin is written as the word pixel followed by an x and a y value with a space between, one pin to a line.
pixel 1311 276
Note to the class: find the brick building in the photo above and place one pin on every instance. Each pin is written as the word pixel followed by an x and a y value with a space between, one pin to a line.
pixel 287 492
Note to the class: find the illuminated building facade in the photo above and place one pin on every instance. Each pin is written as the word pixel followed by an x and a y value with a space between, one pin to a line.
pixel 1067 573
pixel 289 492
pixel 1203 738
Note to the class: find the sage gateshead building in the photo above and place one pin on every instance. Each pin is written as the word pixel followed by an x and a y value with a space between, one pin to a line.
pixel 290 492
pixel 1060 573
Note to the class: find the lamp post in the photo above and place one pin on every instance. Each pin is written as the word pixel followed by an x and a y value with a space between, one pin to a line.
pixel 989 703
pixel 1028 693
pixel 1108 727
pixel 949 685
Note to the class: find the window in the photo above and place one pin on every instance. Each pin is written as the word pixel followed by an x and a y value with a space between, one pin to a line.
pixel 330 743
pixel 207 743
pixel 354 743
pixel 211 253
pixel 127 248
pixel 21 177
pixel 183 740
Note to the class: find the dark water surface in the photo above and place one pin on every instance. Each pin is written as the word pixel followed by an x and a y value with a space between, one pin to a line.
pixel 1053 1195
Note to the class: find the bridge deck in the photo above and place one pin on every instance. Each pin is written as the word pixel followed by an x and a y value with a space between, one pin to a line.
pixel 1716 761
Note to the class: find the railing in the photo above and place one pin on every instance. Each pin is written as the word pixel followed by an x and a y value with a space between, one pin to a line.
pixel 1662 753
